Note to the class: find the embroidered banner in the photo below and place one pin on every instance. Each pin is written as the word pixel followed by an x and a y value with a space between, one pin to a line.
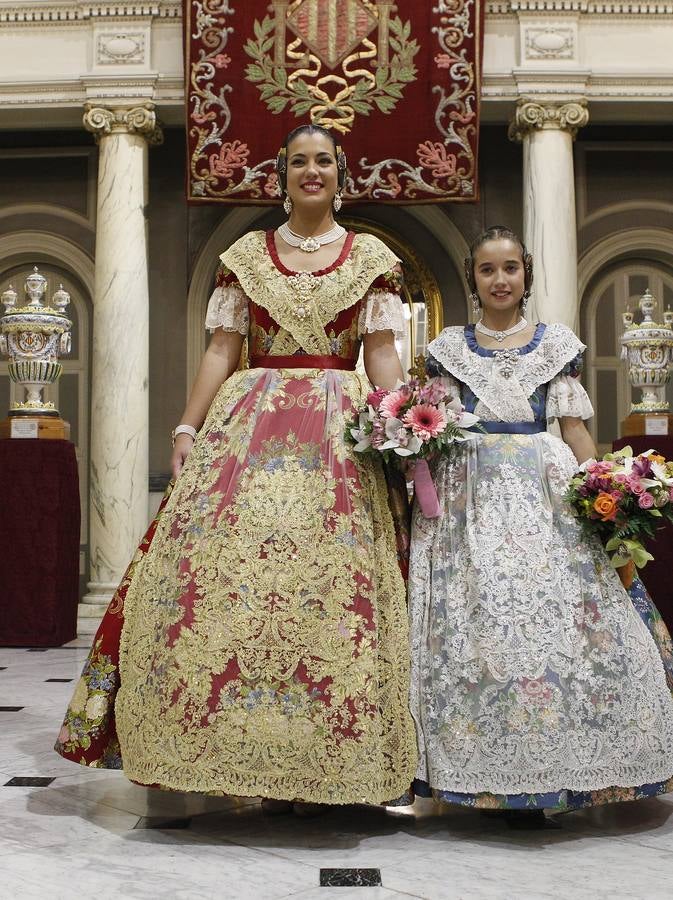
pixel 397 82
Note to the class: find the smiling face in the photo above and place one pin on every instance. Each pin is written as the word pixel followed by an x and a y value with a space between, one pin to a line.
pixel 311 170
pixel 499 274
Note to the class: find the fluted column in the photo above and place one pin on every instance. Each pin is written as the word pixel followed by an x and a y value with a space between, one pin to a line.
pixel 119 404
pixel 547 131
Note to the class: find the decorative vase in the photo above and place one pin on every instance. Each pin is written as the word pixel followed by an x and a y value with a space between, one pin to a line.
pixel 648 347
pixel 33 336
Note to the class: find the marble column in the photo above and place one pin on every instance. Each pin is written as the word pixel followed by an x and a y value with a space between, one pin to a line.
pixel 547 131
pixel 119 400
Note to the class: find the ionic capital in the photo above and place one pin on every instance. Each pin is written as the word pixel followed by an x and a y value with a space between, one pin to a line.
pixel 140 119
pixel 532 115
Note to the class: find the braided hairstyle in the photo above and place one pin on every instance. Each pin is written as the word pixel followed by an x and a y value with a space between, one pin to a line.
pixel 281 159
pixel 499 233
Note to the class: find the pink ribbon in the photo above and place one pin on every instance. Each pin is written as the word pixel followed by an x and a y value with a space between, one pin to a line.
pixel 425 490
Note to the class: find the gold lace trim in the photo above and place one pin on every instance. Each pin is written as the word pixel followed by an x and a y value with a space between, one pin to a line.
pixel 304 304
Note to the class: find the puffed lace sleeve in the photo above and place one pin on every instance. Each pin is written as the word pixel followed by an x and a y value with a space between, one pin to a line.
pixel 566 396
pixel 382 309
pixel 228 304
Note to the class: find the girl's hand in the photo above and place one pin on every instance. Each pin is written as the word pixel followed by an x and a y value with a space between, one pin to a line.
pixel 181 450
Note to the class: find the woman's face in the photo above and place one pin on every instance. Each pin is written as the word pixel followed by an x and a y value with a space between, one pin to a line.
pixel 311 170
pixel 499 274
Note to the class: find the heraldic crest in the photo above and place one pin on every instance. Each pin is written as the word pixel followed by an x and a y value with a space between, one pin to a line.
pixel 332 59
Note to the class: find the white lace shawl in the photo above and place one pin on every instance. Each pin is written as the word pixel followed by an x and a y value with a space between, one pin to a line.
pixel 382 311
pixel 228 309
pixel 506 398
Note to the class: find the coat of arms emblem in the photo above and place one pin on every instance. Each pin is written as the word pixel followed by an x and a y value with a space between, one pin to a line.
pixel 331 59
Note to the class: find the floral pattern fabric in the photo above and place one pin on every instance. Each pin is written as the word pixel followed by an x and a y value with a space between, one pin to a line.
pixel 261 645
pixel 536 679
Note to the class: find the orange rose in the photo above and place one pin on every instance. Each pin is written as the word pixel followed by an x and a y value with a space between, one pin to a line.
pixel 657 458
pixel 606 507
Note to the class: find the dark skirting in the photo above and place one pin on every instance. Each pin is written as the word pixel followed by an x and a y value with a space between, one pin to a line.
pixel 39 542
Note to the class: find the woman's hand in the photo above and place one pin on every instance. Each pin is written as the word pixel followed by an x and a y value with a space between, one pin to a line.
pixel 181 450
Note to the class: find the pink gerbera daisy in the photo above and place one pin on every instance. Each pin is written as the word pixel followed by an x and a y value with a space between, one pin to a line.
pixel 391 406
pixel 425 421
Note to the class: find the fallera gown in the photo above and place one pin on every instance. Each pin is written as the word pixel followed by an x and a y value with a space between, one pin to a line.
pixel 537 680
pixel 258 643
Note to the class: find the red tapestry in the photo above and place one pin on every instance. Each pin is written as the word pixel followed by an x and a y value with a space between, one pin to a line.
pixel 397 82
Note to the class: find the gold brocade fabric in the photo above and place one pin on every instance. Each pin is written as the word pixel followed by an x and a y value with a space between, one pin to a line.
pixel 265 647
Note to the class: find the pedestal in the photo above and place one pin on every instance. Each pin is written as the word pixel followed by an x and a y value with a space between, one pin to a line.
pixel 49 427
pixel 656 575
pixel 39 536
pixel 650 425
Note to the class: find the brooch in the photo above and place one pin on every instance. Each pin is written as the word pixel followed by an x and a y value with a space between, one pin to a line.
pixel 303 284
pixel 505 361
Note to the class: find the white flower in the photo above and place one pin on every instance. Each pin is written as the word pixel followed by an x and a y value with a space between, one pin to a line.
pixel 393 427
pixel 96 706
pixel 660 472
pixel 467 420
pixel 414 444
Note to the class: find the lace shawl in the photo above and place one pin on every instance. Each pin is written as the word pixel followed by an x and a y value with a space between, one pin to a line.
pixel 505 396
pixel 304 304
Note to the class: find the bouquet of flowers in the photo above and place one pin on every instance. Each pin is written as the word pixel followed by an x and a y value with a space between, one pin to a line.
pixel 413 421
pixel 623 498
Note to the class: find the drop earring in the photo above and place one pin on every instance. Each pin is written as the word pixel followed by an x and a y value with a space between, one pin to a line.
pixel 524 302
pixel 287 204
pixel 476 306
pixel 337 202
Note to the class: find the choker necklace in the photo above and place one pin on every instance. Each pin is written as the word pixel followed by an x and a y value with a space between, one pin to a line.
pixel 500 336
pixel 310 244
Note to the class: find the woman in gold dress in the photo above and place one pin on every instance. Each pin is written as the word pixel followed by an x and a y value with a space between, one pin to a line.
pixel 257 645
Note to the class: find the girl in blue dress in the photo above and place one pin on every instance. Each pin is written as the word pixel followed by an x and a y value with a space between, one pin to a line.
pixel 538 682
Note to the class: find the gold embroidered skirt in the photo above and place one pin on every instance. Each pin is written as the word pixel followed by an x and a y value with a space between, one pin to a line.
pixel 263 647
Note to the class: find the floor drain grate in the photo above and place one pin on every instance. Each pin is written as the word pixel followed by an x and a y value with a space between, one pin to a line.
pixel 350 878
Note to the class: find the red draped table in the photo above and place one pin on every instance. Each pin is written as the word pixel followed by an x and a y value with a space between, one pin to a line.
pixel 39 542
pixel 657 575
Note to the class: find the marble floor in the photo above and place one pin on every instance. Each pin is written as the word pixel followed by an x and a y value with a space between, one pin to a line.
pixel 68 832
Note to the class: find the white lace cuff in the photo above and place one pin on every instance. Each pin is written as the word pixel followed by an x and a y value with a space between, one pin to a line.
pixel 382 311
pixel 228 309
pixel 567 397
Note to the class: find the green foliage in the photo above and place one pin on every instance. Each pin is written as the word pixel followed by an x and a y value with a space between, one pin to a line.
pixel 389 81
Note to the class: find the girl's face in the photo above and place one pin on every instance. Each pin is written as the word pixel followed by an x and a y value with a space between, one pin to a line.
pixel 499 274
pixel 311 170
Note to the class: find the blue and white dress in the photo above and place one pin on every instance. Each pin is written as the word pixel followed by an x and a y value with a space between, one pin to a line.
pixel 537 681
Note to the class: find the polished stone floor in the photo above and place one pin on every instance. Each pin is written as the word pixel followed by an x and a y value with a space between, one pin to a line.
pixel 82 833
